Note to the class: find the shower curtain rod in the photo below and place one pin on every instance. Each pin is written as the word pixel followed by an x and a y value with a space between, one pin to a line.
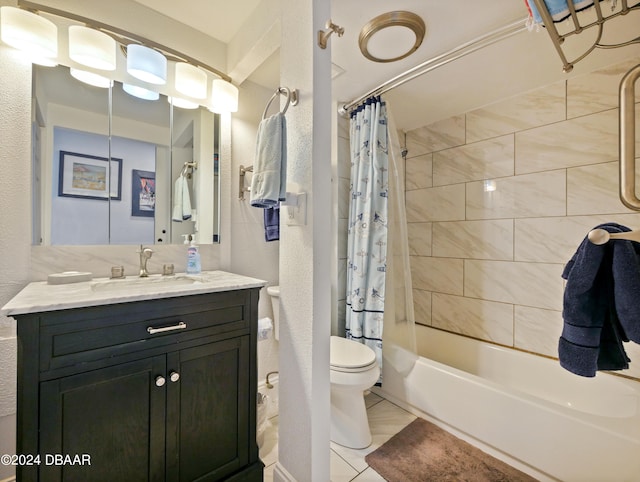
pixel 440 60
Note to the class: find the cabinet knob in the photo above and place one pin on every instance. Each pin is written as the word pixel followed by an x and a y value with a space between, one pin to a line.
pixel 160 381
pixel 174 376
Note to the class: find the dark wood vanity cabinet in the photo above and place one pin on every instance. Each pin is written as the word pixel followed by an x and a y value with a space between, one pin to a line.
pixel 157 390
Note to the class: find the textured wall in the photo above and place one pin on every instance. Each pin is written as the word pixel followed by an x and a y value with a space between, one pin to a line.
pixel 305 263
pixel 487 264
pixel 251 254
pixel 15 230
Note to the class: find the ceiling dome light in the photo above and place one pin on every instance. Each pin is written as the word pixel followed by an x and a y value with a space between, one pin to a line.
pixel 391 36
pixel 140 92
pixel 90 78
pixel 92 48
pixel 182 103
pixel 146 64
pixel 28 32
pixel 224 97
pixel 191 81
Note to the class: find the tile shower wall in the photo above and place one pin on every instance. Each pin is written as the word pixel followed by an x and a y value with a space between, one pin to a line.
pixel 499 198
pixel 341 176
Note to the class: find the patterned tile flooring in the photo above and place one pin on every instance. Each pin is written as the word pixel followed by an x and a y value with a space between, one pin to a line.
pixel 385 420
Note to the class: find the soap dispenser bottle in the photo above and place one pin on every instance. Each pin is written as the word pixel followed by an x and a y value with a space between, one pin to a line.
pixel 193 257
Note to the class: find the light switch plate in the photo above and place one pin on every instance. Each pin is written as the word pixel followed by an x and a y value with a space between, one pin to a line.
pixel 296 215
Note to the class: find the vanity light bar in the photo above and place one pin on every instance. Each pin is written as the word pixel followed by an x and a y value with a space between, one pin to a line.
pixel 191 78
pixel 92 48
pixel 30 33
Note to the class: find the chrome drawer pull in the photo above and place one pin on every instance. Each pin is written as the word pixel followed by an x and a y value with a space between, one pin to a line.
pixel 180 326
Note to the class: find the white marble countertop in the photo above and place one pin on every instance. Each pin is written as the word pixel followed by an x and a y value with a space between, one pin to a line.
pixel 40 296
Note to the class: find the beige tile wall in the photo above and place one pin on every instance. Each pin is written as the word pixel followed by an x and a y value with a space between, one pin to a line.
pixel 487 264
pixel 342 176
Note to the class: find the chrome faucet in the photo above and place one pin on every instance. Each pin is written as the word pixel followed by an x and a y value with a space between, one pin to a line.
pixel 145 254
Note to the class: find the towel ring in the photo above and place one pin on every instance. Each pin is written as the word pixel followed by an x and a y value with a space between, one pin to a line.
pixel 292 98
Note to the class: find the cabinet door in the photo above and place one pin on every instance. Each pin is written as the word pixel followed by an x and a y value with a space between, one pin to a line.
pixel 115 415
pixel 208 411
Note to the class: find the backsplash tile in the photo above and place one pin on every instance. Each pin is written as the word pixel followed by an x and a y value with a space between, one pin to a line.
pixel 98 260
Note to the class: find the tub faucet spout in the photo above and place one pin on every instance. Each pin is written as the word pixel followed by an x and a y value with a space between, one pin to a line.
pixel 145 254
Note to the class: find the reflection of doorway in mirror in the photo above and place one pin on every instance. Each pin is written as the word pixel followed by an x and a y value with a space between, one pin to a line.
pixel 78 219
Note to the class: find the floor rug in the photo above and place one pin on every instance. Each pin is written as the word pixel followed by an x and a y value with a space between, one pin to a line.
pixel 423 452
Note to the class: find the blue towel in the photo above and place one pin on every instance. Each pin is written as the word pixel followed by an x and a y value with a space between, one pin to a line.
pixel 272 223
pixel 601 308
pixel 269 182
pixel 558 9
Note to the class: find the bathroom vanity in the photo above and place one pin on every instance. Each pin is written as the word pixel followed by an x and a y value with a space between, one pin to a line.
pixel 148 379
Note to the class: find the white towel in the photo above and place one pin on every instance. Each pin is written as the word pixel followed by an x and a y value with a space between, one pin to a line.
pixel 269 181
pixel 181 200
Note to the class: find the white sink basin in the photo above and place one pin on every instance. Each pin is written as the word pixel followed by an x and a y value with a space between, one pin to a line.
pixel 140 284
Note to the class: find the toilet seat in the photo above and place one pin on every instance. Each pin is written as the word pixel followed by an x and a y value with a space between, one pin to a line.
pixel 350 356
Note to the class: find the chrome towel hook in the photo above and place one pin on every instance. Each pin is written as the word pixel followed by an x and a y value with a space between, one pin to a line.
pixel 292 98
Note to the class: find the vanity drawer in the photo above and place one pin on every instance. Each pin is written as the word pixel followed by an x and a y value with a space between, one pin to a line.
pixel 85 335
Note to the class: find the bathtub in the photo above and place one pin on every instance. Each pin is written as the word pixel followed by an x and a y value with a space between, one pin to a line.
pixel 522 408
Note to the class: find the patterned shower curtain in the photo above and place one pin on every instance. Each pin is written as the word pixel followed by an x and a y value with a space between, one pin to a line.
pixel 367 235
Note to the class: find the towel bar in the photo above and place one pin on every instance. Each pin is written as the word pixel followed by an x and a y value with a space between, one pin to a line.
pixel 628 139
pixel 558 38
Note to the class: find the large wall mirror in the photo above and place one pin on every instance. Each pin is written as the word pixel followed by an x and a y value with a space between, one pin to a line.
pixel 112 168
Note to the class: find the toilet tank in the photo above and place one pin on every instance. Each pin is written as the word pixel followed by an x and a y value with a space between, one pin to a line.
pixel 274 294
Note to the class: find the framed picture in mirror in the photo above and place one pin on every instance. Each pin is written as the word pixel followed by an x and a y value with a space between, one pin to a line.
pixel 143 193
pixel 89 177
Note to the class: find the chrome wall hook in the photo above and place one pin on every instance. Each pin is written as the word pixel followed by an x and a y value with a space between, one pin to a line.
pixel 323 36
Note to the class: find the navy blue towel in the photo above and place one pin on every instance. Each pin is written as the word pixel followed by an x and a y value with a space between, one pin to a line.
pixel 601 308
pixel 272 223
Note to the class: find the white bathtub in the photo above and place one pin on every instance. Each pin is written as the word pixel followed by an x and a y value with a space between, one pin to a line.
pixel 524 408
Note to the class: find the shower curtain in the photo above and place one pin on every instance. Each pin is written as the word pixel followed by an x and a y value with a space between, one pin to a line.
pixel 378 281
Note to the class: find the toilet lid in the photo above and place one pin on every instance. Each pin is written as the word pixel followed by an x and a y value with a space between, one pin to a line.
pixel 350 354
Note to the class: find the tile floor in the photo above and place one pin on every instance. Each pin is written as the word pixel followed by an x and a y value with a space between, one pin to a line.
pixel 385 420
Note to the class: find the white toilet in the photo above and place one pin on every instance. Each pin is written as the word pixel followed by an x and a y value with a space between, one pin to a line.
pixel 353 370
